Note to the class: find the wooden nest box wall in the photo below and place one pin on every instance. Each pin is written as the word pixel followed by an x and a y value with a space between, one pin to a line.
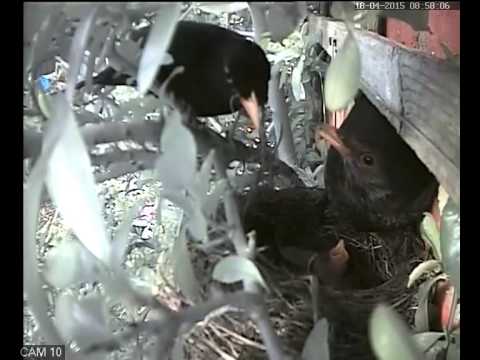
pixel 405 74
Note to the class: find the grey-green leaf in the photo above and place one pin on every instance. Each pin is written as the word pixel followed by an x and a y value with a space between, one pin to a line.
pixel 70 263
pixel 236 268
pixel 453 352
pixel 390 337
pixel 84 321
pixel 197 224
pixel 218 8
pixel 423 268
pixel 430 343
pixel 176 164
pixel 297 85
pixel 71 184
pixel 183 272
pixel 157 44
pixel 210 204
pixel 202 182
pixel 32 282
pixel 450 242
pixel 122 239
pixel 342 80
pixel 316 346
pixel 77 50
pixel 431 235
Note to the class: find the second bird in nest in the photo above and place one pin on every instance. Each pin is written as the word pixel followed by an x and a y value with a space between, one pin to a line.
pixel 374 182
pixel 373 178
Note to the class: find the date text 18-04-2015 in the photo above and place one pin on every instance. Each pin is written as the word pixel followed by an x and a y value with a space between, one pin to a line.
pixel 406 5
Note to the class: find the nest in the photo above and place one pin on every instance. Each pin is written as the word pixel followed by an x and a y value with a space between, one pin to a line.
pixel 385 262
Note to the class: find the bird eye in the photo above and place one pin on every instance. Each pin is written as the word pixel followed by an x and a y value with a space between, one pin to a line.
pixel 368 159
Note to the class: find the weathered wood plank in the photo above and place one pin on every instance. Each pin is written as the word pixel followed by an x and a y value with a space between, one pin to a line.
pixel 419 95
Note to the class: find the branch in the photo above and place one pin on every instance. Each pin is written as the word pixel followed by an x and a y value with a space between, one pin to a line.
pixel 168 326
pixel 286 148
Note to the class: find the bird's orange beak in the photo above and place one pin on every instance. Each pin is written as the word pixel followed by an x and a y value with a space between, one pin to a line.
pixel 252 109
pixel 330 134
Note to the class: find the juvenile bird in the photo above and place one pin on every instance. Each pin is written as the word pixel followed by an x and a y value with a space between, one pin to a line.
pixel 223 71
pixel 376 192
pixel 375 181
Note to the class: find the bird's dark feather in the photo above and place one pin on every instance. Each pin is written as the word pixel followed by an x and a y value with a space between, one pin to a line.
pixel 392 193
pixel 205 51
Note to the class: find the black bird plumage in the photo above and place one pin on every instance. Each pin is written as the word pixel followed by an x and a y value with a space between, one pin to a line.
pixel 374 182
pixel 376 186
pixel 222 69
pixel 374 179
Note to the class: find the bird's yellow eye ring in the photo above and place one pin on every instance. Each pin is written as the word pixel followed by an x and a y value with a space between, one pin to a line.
pixel 368 159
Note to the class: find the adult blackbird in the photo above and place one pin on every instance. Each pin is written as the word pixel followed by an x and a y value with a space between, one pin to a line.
pixel 375 181
pixel 223 70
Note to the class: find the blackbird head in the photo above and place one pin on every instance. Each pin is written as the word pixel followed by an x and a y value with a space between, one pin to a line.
pixel 248 70
pixel 374 179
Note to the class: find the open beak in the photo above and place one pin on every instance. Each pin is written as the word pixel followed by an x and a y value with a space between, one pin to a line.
pixel 252 109
pixel 330 134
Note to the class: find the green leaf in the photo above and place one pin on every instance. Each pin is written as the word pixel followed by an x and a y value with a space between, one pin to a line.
pixel 423 268
pixel 450 242
pixel 219 8
pixel 32 282
pixel 197 224
pixel 72 186
pixel 202 181
pixel 44 103
pixel 453 352
pixel 390 337
pixel 121 240
pixel 177 163
pixel 316 346
pixel 431 235
pixel 77 50
pixel 297 86
pixel 183 271
pixel 210 204
pixel 70 263
pixel 431 343
pixel 84 321
pixel 236 268
pixel 342 80
pixel 158 40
